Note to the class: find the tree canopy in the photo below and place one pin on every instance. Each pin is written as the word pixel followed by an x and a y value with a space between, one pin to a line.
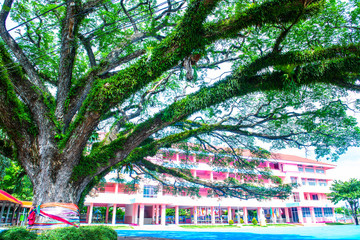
pixel 152 74
pixel 348 191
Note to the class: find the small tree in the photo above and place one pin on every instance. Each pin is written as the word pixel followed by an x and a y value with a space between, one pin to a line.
pixel 347 191
pixel 254 221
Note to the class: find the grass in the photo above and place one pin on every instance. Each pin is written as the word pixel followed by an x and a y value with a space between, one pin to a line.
pixel 337 223
pixel 209 226
pixel 121 227
pixel 235 226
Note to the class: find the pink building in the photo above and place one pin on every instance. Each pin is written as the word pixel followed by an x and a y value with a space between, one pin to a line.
pixel 147 205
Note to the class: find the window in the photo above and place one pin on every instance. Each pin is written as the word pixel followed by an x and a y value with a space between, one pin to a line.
pixel 318 212
pixel 149 191
pixel 309 169
pixel 293 179
pixel 311 182
pixel 276 166
pixel 296 197
pixel 314 197
pixel 320 170
pixel 328 212
pixel 322 182
pixel 303 181
pixel 306 212
pixel 301 168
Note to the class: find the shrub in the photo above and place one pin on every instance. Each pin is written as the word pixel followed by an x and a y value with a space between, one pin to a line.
pixel 254 221
pixel 82 233
pixel 17 233
pixel 241 221
pixel 231 222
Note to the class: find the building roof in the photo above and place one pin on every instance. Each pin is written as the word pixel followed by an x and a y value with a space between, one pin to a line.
pixel 292 158
pixel 4 196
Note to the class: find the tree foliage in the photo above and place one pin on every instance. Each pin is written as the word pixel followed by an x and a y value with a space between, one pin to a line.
pixel 147 73
pixel 348 191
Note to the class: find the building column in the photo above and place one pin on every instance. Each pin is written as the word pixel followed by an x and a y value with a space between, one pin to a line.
pixel 87 214
pixel 194 173
pixel 261 217
pixel 211 176
pixel 91 213
pixel 107 215
pixel 300 215
pixel 136 213
pixel 245 216
pixel 195 215
pixel 287 217
pixel 7 214
pixel 116 188
pixel 312 214
pixel 212 215
pixel 163 214
pixel 259 209
pixel 114 215
pixel 2 211
pixel 229 214
pixel 141 215
pixel 176 215
pixel 157 214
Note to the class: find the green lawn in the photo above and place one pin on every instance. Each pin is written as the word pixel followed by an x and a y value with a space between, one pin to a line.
pixel 121 227
pixel 336 223
pixel 209 226
pixel 235 226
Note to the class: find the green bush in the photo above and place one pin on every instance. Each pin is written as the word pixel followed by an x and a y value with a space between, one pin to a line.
pixel 82 233
pixel 68 233
pixel 231 222
pixel 17 233
pixel 254 221
pixel 241 221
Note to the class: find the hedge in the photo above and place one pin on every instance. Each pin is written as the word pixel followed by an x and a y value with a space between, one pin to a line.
pixel 69 233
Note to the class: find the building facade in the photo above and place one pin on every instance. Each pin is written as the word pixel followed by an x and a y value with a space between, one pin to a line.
pixel 147 205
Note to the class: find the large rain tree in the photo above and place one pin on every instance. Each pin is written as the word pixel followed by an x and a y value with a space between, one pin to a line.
pixel 348 191
pixel 234 74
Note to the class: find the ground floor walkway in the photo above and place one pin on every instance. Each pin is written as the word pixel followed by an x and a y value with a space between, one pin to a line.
pixel 162 214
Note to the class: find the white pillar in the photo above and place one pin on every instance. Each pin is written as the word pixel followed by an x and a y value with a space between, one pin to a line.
pixel 300 216
pixel 312 214
pixel 195 215
pixel 163 214
pixel 141 215
pixel 287 218
pixel 8 212
pixel 245 216
pixel 261 217
pixel 212 215
pixel 157 214
pixel 153 214
pixel 136 213
pixel 211 176
pixel 2 211
pixel 116 188
pixel 194 174
pixel 114 215
pixel 91 212
pixel 229 214
pixel 176 215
